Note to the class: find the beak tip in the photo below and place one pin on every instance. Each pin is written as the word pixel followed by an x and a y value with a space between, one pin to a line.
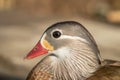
pixel 36 51
pixel 25 58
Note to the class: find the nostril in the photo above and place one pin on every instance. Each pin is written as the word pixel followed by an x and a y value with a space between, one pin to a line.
pixel 35 49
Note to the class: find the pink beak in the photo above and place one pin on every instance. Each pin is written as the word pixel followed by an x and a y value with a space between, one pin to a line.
pixel 36 51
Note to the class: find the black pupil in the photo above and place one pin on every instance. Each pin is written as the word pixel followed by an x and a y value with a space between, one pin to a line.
pixel 56 34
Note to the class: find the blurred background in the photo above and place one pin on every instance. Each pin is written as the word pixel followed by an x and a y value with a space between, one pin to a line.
pixel 23 21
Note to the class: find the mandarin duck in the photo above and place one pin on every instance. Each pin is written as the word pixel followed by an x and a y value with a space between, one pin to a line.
pixel 70 53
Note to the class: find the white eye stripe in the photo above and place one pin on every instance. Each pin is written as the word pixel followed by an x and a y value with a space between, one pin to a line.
pixel 66 37
pixel 73 37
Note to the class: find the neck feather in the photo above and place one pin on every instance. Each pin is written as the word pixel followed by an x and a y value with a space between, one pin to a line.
pixel 75 66
pixel 72 64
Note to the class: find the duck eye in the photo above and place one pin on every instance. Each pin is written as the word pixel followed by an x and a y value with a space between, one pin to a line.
pixel 56 34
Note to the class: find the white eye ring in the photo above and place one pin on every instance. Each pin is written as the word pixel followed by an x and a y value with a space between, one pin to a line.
pixel 56 33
